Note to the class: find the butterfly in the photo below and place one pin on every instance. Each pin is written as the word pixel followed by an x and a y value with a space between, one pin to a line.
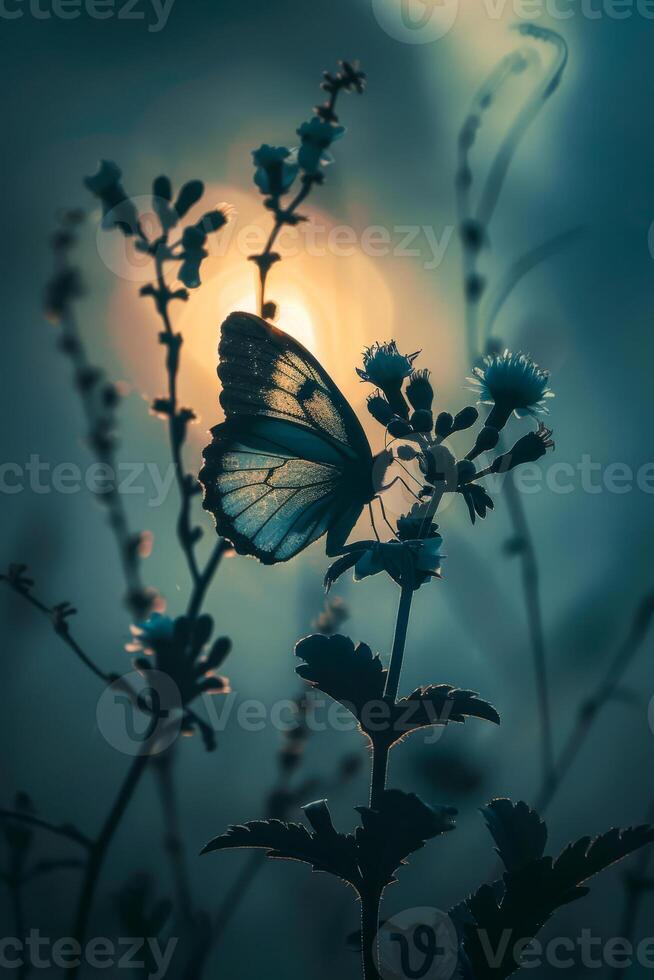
pixel 291 461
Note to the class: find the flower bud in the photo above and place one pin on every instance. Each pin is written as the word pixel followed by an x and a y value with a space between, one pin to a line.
pixel 422 420
pixel 531 447
pixel 444 424
pixel 466 418
pixel 399 427
pixel 487 439
pixel 419 391
pixel 379 408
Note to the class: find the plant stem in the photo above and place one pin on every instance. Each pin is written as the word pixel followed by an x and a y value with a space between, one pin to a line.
pixel 399 641
pixel 162 300
pixel 173 843
pixel 592 706
pixel 369 929
pixel 99 850
pixel 65 831
pixel 380 749
pixel 530 579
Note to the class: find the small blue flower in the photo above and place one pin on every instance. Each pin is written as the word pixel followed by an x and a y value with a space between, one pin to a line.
pixel 275 171
pixel 178 648
pixel 416 559
pixel 511 383
pixel 317 136
pixel 384 366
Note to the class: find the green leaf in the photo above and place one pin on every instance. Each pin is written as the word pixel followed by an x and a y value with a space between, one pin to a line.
pixel 326 851
pixel 401 826
pixel 348 674
pixel 518 831
pixel 438 704
pixel 368 858
pixel 514 910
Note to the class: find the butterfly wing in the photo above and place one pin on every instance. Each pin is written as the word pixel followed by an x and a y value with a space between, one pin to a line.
pixel 291 462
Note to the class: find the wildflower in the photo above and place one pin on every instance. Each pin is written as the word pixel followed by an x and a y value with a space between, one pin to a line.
pixel 274 172
pixel 531 447
pixel 412 560
pixel 384 366
pixel 316 136
pixel 118 211
pixel 511 383
pixel 379 408
pixel 419 391
pixel 178 648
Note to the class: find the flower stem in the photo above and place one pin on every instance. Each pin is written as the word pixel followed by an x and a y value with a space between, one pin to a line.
pixel 530 578
pixel 369 929
pixel 399 641
pixel 99 850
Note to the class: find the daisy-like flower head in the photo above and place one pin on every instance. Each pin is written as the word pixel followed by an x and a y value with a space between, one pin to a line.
pixel 384 366
pixel 511 383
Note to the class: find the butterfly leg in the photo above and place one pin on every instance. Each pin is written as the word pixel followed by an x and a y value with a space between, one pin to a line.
pixel 372 520
pixel 386 520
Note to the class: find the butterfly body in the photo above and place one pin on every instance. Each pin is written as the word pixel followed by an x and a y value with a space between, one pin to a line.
pixel 291 462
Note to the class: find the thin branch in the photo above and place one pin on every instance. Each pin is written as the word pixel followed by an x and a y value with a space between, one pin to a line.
pixel 99 400
pixel 605 690
pixel 62 830
pixel 531 587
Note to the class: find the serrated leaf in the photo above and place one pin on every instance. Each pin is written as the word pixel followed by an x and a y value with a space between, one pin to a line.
pixel 348 674
pixel 518 831
pixel 329 852
pixel 401 826
pixel 514 910
pixel 356 678
pixel 438 704
pixel 369 857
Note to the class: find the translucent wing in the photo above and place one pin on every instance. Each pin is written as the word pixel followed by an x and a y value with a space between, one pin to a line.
pixel 267 373
pixel 291 462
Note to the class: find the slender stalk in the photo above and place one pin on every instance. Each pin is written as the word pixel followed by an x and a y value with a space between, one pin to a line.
pixel 64 831
pixel 531 587
pixel 100 848
pixel 369 929
pixel 605 690
pixel 399 642
pixel 60 628
pixel 174 341
pixel 173 843
pixel 102 444
pixel 236 894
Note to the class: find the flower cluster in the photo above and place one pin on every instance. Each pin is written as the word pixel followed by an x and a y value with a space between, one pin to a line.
pixel 120 211
pixel 403 404
pixel 178 648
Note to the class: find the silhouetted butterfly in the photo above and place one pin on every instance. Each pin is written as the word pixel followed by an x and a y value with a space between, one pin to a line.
pixel 291 462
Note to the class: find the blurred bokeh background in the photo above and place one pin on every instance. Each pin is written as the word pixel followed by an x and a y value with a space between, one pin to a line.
pixel 192 99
